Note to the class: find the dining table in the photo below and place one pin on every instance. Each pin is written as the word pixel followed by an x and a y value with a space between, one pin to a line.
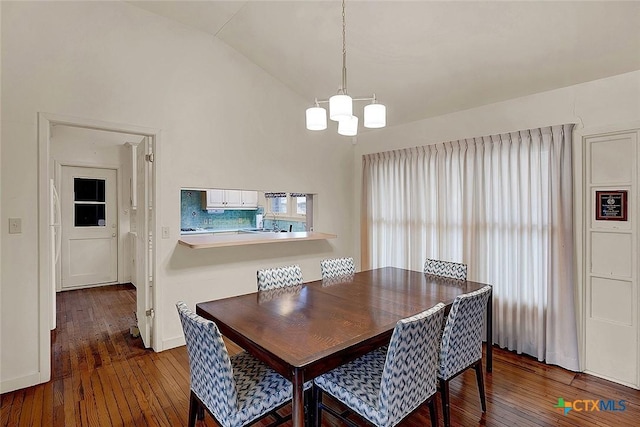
pixel 306 330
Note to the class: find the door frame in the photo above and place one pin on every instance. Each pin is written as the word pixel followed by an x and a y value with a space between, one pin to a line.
pixel 582 218
pixel 119 200
pixel 46 295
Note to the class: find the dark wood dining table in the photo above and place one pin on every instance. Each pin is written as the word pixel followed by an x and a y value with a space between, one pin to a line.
pixel 307 330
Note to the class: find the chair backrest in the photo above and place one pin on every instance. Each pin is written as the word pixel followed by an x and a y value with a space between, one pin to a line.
pixel 453 270
pixel 280 277
pixel 337 267
pixel 411 367
pixel 209 364
pixel 462 337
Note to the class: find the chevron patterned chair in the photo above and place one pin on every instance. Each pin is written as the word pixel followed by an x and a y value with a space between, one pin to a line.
pixel 280 277
pixel 385 387
pixel 236 390
pixel 461 346
pixel 452 270
pixel 330 268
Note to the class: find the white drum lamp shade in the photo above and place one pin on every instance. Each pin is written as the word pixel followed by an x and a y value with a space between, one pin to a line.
pixel 340 107
pixel 348 127
pixel 316 118
pixel 375 116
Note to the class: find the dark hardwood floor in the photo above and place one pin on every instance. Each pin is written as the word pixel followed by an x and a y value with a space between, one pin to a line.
pixel 103 377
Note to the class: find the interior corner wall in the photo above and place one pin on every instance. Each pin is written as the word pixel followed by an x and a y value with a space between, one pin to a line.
pixel 223 121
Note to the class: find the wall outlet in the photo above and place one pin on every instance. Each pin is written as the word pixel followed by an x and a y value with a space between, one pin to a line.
pixel 15 225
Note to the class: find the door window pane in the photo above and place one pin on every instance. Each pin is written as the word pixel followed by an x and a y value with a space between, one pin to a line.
pixel 90 215
pixel 89 190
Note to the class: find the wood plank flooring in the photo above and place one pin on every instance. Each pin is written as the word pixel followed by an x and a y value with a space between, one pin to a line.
pixel 103 377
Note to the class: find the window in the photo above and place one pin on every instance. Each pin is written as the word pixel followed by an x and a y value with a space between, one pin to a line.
pixel 278 205
pixel 287 205
pixel 300 203
pixel 89 202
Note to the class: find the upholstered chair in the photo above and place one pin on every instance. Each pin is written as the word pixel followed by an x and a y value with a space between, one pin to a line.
pixel 383 387
pixel 461 346
pixel 452 270
pixel 236 390
pixel 280 277
pixel 336 267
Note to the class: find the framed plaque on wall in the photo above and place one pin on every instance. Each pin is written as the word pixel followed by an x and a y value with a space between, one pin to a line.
pixel 611 205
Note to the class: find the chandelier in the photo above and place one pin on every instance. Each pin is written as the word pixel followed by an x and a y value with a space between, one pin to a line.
pixel 341 104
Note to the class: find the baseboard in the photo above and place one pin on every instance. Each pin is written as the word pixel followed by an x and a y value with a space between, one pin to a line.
pixel 613 380
pixel 173 343
pixel 20 382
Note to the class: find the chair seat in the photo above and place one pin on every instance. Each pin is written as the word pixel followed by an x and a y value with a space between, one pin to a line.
pixel 259 388
pixel 357 384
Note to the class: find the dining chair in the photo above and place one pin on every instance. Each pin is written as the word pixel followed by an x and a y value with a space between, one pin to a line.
pixel 453 270
pixel 461 346
pixel 336 267
pixel 279 277
pixel 236 390
pixel 384 387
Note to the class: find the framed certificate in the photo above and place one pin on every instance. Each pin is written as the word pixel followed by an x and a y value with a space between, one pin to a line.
pixel 611 205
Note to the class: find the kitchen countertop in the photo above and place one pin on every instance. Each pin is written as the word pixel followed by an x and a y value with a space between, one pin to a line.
pixel 217 230
pixel 212 240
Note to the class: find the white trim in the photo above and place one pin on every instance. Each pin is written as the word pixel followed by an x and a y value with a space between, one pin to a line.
pixel 173 343
pixel 45 292
pixel 579 239
pixel 96 285
pixel 45 121
pixel 20 382
pixel 613 380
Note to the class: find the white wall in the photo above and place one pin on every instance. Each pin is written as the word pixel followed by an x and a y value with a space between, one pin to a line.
pixel 224 123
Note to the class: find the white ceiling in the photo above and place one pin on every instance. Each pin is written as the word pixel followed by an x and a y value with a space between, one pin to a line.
pixel 424 58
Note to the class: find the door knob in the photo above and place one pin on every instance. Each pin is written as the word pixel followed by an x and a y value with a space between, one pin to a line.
pixel 113 235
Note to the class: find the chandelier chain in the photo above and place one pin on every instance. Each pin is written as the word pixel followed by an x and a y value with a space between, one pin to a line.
pixel 344 52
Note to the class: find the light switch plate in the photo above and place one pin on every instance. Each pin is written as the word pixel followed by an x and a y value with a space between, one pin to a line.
pixel 165 232
pixel 15 225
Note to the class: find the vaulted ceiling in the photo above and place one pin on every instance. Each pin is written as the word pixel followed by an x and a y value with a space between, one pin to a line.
pixel 423 58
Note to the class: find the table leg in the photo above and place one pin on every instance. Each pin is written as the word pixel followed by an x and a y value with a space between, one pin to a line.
pixel 297 404
pixel 490 332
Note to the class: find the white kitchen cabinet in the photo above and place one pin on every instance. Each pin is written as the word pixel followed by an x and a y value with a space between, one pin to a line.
pixel 249 199
pixel 233 198
pixel 230 199
pixel 214 199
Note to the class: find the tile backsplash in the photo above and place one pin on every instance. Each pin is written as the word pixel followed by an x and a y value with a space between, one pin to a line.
pixel 192 215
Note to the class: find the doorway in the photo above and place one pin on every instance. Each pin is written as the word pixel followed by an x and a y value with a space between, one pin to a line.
pixel 89 226
pixel 89 221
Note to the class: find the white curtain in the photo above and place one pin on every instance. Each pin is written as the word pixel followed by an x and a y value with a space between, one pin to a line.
pixel 501 204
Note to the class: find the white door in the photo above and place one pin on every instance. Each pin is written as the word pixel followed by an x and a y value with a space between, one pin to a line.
pixel 611 264
pixel 144 239
pixel 89 227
